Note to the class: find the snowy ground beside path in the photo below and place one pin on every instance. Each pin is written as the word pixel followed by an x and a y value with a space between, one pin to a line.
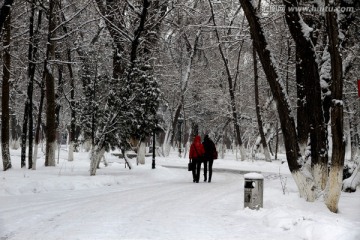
pixel 64 202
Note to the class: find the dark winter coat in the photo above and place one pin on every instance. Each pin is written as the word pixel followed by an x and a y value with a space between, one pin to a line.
pixel 209 148
pixel 196 148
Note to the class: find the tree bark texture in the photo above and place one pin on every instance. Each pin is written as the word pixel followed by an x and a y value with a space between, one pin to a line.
pixel 33 47
pixel 337 127
pixel 5 114
pixel 4 12
pixel 24 134
pixel 307 73
pixel 72 130
pixel 50 93
pixel 138 32
pixel 303 125
pixel 38 122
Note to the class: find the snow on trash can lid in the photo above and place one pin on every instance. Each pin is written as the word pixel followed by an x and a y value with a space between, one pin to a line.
pixel 253 176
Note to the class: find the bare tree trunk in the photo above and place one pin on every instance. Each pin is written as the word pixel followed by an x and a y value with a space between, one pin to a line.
pixel 277 140
pixel 176 117
pixel 258 112
pixel 303 125
pixel 14 135
pixel 38 124
pixel 5 114
pixel 308 73
pixel 72 131
pixel 50 93
pixel 33 46
pixel 96 153
pixel 141 153
pixel 337 126
pixel 28 115
pixel 24 134
pixel 4 12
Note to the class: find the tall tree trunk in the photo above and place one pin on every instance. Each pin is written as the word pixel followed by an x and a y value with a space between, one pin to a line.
pixel 257 107
pixel 31 75
pixel 277 139
pixel 231 89
pixel 4 12
pixel 303 125
pixel 50 93
pixel 96 154
pixel 14 135
pixel 38 123
pixel 141 151
pixel 337 126
pixel 176 117
pixel 308 73
pixel 5 114
pixel 72 131
pixel 24 134
pixel 133 57
pixel 42 96
pixel 98 147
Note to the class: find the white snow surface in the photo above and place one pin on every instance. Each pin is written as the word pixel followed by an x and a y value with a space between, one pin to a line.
pixel 253 176
pixel 64 202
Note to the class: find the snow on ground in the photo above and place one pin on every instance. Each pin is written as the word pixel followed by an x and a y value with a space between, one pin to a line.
pixel 64 202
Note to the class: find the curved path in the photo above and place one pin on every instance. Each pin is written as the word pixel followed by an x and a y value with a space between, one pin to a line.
pixel 173 209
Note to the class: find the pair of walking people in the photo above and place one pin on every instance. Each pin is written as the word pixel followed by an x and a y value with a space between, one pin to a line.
pixel 202 153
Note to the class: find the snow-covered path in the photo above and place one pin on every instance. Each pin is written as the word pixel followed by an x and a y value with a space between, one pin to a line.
pixel 134 211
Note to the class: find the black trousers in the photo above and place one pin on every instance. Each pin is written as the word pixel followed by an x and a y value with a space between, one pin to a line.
pixel 196 169
pixel 206 163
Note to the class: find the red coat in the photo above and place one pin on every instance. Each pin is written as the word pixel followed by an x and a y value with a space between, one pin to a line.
pixel 196 148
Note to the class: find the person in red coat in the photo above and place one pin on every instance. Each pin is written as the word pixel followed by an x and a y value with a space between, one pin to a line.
pixel 196 155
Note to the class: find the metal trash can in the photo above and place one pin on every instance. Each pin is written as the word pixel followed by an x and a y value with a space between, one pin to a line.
pixel 253 190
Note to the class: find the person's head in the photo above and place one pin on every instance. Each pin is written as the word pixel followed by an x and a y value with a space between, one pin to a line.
pixel 206 137
pixel 197 138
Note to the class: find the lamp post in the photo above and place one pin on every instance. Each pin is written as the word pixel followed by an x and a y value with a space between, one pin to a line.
pixel 153 151
pixel 180 121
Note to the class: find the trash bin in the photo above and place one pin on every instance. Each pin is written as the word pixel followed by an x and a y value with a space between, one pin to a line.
pixel 253 190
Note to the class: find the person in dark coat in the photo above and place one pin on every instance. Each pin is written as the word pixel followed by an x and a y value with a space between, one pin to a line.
pixel 210 149
pixel 196 155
